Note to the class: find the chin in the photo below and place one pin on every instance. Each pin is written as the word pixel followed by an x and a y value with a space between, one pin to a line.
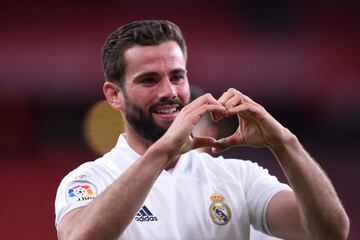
pixel 165 123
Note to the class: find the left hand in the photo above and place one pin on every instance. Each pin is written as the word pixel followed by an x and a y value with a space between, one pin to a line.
pixel 257 128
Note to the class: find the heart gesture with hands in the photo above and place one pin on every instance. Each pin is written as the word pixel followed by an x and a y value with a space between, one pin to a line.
pixel 257 128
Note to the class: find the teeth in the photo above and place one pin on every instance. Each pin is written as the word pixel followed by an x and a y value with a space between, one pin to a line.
pixel 167 111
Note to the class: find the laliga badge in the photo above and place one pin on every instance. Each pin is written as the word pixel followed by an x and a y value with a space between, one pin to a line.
pixel 81 192
pixel 219 211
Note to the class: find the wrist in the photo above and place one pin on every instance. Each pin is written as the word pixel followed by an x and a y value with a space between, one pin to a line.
pixel 286 140
pixel 162 151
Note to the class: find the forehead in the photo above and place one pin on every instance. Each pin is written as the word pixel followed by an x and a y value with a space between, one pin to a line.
pixel 158 58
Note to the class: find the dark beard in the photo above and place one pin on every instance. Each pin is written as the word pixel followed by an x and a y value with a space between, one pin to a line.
pixel 143 123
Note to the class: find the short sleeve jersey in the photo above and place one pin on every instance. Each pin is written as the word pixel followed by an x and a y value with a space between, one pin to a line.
pixel 202 197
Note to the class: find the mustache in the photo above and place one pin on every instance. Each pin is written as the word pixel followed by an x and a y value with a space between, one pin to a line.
pixel 178 102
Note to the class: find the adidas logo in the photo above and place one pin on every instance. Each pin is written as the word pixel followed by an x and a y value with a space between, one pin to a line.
pixel 144 215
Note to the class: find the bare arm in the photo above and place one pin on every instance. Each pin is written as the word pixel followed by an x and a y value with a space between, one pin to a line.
pixel 319 207
pixel 313 211
pixel 107 216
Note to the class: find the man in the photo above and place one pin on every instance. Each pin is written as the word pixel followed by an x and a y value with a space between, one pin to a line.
pixel 152 185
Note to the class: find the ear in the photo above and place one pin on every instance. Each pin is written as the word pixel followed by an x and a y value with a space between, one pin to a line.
pixel 113 95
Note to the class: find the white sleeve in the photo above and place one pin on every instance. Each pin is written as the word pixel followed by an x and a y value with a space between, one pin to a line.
pixel 260 187
pixel 77 189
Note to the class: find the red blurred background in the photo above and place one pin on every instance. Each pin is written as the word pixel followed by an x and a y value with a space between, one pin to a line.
pixel 300 60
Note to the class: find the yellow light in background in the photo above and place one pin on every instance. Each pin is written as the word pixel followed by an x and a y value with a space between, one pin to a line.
pixel 102 126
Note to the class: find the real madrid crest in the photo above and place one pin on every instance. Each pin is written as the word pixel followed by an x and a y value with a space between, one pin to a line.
pixel 219 211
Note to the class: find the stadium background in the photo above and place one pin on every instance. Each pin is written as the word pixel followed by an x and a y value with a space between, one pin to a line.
pixel 299 59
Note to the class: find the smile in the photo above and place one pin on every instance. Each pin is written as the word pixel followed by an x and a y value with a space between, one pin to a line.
pixel 166 109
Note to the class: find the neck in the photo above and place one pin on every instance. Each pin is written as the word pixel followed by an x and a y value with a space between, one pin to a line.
pixel 140 145
pixel 136 142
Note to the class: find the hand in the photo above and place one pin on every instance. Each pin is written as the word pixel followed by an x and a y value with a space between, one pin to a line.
pixel 178 138
pixel 257 128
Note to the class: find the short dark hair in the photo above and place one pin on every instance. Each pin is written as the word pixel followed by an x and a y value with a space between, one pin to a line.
pixel 144 33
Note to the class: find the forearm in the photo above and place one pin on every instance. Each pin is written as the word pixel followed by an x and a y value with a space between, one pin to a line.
pixel 320 208
pixel 109 214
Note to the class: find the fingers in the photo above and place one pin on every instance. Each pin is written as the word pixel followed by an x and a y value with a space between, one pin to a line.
pixel 225 143
pixel 204 99
pixel 195 142
pixel 209 108
pixel 248 110
pixel 203 142
pixel 206 103
pixel 230 103
pixel 233 97
pixel 229 99
pixel 188 117
pixel 222 100
pixel 245 111
pixel 236 103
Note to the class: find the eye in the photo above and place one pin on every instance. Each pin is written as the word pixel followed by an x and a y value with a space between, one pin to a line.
pixel 149 81
pixel 178 77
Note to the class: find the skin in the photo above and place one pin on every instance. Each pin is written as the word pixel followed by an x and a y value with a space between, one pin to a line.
pixel 312 211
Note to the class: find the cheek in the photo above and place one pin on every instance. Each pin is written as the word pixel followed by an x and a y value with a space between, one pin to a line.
pixel 186 98
pixel 184 92
pixel 142 98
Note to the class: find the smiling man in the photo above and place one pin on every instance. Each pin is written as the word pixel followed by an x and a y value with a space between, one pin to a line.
pixel 154 184
pixel 152 104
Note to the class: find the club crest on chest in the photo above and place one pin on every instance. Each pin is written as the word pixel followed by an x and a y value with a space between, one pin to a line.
pixel 219 211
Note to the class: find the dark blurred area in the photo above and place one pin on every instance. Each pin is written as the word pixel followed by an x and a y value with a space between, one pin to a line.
pixel 300 60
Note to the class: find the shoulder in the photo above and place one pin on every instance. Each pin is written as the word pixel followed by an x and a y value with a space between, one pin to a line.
pixel 86 171
pixel 79 187
pixel 100 172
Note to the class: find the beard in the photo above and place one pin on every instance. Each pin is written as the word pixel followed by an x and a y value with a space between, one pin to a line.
pixel 143 122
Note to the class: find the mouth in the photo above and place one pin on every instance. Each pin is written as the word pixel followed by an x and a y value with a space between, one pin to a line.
pixel 166 113
pixel 166 109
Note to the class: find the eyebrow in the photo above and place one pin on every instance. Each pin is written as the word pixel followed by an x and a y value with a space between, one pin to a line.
pixel 178 70
pixel 146 75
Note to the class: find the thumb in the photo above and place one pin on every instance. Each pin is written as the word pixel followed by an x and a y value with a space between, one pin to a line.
pixel 225 143
pixel 194 142
pixel 203 142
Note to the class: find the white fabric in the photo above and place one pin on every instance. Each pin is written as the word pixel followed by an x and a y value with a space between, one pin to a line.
pixel 257 235
pixel 180 198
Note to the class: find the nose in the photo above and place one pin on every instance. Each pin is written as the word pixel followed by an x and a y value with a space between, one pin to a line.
pixel 166 89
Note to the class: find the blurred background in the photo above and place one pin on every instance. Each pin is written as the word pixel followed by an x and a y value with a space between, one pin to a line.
pixel 300 60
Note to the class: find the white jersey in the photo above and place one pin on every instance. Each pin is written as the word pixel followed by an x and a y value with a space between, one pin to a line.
pixel 202 197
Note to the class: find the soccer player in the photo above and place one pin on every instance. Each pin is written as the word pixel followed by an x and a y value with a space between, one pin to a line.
pixel 154 185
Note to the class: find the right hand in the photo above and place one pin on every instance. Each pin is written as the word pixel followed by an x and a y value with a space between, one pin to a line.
pixel 178 138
